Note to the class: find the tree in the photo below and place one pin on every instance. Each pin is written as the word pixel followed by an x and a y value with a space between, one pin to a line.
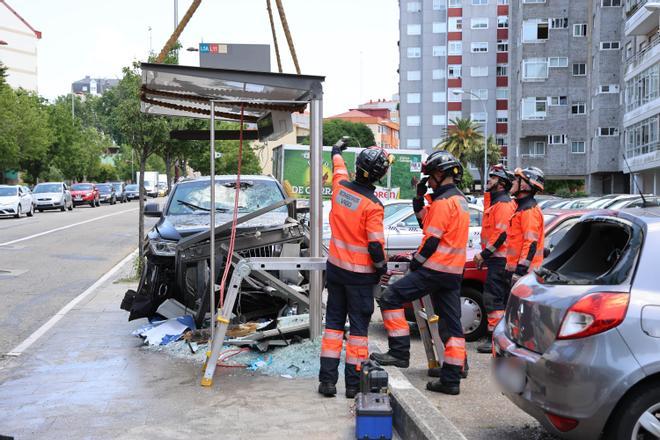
pixel 3 75
pixel 33 132
pixel 475 155
pixel 228 163
pixel 334 129
pixel 461 137
pixel 9 147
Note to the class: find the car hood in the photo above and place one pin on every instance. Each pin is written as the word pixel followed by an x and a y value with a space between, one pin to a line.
pixel 56 195
pixel 8 200
pixel 175 227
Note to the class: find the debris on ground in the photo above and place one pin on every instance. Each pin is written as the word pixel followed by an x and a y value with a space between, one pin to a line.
pixel 166 331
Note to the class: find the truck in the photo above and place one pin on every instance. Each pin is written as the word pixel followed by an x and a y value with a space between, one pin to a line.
pixel 150 182
pixel 291 168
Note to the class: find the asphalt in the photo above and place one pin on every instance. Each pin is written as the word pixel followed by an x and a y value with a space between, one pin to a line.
pixel 40 274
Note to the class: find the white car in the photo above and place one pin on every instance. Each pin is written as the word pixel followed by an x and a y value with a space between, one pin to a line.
pixel 16 200
pixel 52 195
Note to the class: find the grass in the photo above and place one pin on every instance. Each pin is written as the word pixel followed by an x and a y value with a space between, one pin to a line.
pixel 134 275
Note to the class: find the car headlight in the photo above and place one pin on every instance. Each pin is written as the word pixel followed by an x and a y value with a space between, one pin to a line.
pixel 163 248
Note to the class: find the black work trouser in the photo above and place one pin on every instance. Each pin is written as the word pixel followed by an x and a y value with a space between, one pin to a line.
pixel 496 290
pixel 356 302
pixel 445 292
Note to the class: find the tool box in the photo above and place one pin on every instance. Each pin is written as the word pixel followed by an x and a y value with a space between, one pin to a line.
pixel 374 417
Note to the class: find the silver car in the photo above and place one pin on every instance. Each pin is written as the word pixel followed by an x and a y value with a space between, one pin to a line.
pixel 52 195
pixel 579 346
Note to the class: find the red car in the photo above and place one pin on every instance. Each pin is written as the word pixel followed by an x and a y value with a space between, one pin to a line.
pixel 82 193
pixel 473 314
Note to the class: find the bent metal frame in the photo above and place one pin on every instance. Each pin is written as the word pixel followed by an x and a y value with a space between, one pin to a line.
pixel 219 94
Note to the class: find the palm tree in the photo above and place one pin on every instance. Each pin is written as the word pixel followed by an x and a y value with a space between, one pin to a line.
pixel 462 137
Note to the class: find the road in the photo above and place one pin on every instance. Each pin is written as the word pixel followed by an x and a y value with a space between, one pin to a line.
pixel 49 259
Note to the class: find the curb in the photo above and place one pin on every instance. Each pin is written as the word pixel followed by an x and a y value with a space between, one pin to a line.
pixel 415 417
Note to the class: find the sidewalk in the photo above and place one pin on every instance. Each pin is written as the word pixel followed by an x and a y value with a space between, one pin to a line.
pixel 88 378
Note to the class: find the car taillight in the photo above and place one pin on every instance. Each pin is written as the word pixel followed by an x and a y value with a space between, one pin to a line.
pixel 563 424
pixel 593 314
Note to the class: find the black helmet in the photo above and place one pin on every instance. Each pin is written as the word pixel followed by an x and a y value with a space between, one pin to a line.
pixel 445 162
pixel 372 164
pixel 533 176
pixel 506 177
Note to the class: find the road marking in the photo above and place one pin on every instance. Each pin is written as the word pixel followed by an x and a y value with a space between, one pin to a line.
pixel 23 346
pixel 66 227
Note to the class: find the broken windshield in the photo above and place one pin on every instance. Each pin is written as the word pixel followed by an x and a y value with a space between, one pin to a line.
pixel 195 197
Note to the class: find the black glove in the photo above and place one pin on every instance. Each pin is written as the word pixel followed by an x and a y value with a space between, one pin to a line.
pixel 418 204
pixel 414 265
pixel 421 187
pixel 380 271
pixel 521 270
pixel 341 145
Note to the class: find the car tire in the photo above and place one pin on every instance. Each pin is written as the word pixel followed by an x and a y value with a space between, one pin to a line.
pixel 63 207
pixel 626 421
pixel 40 210
pixel 92 204
pixel 18 211
pixel 30 213
pixel 473 298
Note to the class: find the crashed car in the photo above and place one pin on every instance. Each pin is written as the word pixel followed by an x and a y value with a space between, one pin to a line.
pixel 177 251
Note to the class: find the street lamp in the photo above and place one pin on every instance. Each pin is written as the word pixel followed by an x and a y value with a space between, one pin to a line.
pixel 192 49
pixel 484 176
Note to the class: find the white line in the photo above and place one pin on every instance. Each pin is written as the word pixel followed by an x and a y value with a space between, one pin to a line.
pixel 20 348
pixel 66 227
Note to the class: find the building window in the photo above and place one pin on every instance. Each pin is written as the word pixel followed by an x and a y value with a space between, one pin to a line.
pixel 479 2
pixel 414 52
pixel 610 45
pixel 579 108
pixel 454 97
pixel 479 71
pixel 556 139
pixel 533 1
pixel 534 108
pixel 642 138
pixel 558 23
pixel 453 116
pixel 439 27
pixel 479 117
pixel 501 93
pixel 579 69
pixel 578 147
pixel 414 29
pixel 502 45
pixel 413 143
pixel 502 2
pixel 439 51
pixel 413 121
pixel 534 149
pixel 535 30
pixel 479 23
pixel 580 30
pixel 501 141
pixel 481 94
pixel 479 47
pixel 609 88
pixel 454 71
pixel 503 22
pixel 455 24
pixel 439 120
pixel 502 70
pixel 414 7
pixel 439 4
pixel 535 69
pixel 413 98
pixel 455 3
pixel 558 62
pixel 643 88
pixel 502 116
pixel 439 97
pixel 558 100
pixel 438 74
pixel 455 48
pixel 414 75
pixel 610 3
pixel 607 131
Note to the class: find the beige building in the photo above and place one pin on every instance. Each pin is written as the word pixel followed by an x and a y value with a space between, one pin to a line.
pixel 18 48
pixel 265 150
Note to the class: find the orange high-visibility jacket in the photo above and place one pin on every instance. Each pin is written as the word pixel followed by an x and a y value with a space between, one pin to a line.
pixel 446 226
pixel 495 223
pixel 356 220
pixel 525 237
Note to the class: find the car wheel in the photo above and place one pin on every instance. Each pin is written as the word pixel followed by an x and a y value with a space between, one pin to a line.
pixel 92 204
pixel 31 211
pixel 63 207
pixel 637 416
pixel 41 210
pixel 18 211
pixel 473 314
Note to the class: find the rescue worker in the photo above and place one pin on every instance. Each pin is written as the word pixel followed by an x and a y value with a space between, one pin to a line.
pixel 498 210
pixel 356 261
pixel 436 269
pixel 525 234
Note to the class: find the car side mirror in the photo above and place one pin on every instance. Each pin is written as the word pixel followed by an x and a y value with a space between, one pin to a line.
pixel 152 210
pixel 400 225
pixel 546 252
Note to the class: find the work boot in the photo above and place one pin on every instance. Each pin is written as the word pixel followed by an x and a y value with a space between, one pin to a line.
pixel 485 347
pixel 435 371
pixel 327 389
pixel 351 392
pixel 440 387
pixel 388 359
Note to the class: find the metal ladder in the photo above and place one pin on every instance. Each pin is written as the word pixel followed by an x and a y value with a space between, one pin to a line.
pixel 242 270
pixel 427 323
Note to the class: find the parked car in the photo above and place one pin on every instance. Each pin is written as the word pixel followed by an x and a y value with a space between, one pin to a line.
pixel 107 193
pixel 162 189
pixel 52 195
pixel 151 188
pixel 16 200
pixel 579 346
pixel 578 203
pixel 636 202
pixel 120 191
pixel 85 193
pixel 607 201
pixel 133 192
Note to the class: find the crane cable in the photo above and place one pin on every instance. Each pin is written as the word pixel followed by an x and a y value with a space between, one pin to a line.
pixel 272 29
pixel 287 33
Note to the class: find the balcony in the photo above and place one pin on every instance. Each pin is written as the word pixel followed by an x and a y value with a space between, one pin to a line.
pixel 642 18
pixel 644 55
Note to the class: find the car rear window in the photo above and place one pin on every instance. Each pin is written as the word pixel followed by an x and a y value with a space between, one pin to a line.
pixel 81 187
pixel 104 187
pixel 4 192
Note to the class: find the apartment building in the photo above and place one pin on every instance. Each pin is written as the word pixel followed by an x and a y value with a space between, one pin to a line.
pixel 18 48
pixel 641 83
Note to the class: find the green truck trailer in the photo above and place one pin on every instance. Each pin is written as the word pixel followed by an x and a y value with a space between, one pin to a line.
pixel 291 168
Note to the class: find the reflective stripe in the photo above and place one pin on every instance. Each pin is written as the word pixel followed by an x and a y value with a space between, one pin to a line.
pixel 331 343
pixel 511 251
pixel 494 318
pixel 380 264
pixel 499 254
pixel 451 250
pixel 443 268
pixel 456 342
pixel 395 323
pixel 341 171
pixel 524 263
pixel 455 351
pixel 421 258
pixel 501 226
pixel 371 236
pixel 510 268
pixel 491 249
pixel 349 247
pixel 436 232
pixel 358 341
pixel 358 268
pixel 531 235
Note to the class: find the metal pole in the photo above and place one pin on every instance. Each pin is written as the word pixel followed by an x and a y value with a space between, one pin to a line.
pixel 73 112
pixel 315 205
pixel 212 228
pixel 485 174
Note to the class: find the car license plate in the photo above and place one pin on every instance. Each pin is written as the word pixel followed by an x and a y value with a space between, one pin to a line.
pixel 77 198
pixel 511 374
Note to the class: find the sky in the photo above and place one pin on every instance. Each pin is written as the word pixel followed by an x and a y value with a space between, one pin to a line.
pixel 353 43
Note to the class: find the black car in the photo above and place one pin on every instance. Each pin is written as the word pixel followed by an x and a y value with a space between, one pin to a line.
pixel 133 193
pixel 107 193
pixel 120 191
